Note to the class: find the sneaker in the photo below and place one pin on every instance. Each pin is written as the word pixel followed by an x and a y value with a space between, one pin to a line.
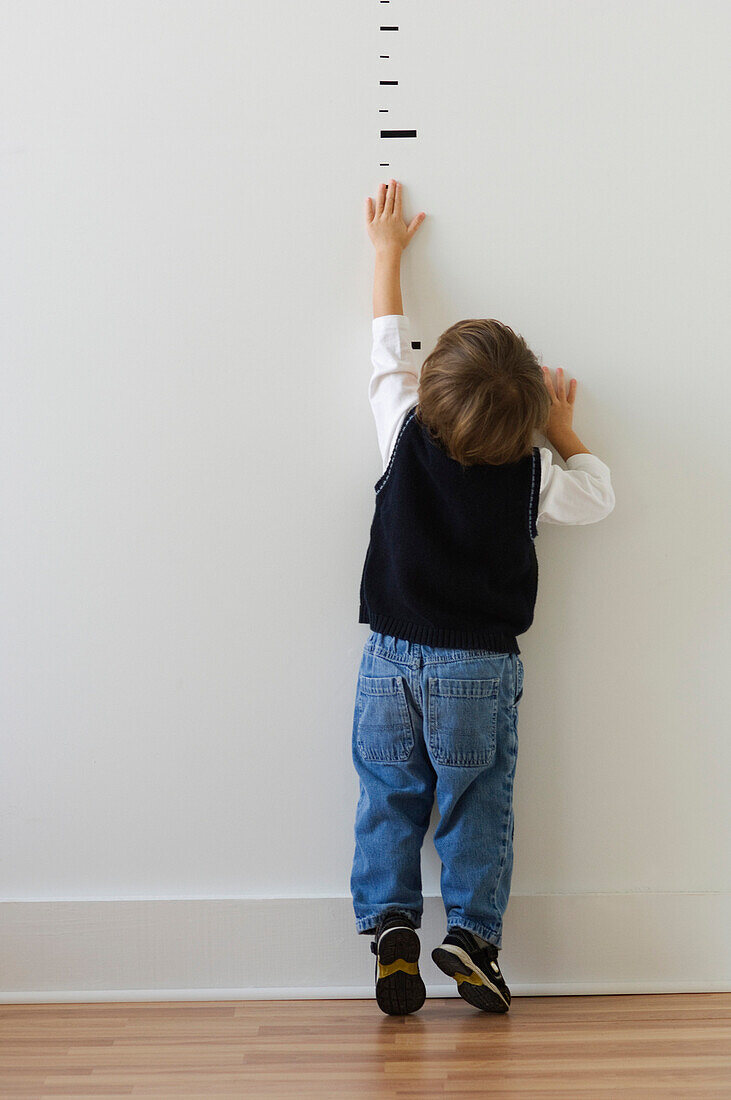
pixel 399 986
pixel 475 970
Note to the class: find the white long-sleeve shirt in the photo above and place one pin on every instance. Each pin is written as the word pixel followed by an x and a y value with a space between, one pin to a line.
pixel 582 493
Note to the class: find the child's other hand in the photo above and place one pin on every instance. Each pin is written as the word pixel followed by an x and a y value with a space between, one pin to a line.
pixel 561 415
pixel 386 226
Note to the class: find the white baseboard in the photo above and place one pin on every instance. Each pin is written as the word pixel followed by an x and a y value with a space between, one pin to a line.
pixel 292 948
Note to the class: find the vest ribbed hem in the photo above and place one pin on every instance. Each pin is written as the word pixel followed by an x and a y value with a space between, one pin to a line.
pixel 497 641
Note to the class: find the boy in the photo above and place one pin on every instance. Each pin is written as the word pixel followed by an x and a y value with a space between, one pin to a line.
pixel 449 581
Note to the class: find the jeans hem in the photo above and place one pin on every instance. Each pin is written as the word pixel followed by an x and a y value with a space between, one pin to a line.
pixel 492 935
pixel 367 924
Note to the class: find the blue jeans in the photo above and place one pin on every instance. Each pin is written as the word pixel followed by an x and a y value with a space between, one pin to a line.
pixel 445 721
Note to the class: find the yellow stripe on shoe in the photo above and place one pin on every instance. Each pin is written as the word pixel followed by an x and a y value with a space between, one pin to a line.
pixel 472 978
pixel 384 970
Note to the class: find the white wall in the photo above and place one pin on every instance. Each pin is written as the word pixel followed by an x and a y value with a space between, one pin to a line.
pixel 188 452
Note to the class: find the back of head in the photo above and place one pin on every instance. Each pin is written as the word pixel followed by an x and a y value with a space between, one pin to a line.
pixel 482 393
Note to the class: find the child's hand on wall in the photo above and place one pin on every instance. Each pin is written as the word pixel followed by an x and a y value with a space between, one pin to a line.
pixel 386 226
pixel 559 430
pixel 562 403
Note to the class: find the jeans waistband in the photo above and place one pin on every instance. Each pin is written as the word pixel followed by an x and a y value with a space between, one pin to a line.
pixel 416 654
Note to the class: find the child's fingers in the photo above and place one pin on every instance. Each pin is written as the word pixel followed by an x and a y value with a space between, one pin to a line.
pixel 415 223
pixel 380 199
pixel 559 393
pixel 548 380
pixel 397 200
pixel 388 209
pixel 369 209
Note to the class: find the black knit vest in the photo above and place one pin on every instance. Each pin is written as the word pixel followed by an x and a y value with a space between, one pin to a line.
pixel 451 560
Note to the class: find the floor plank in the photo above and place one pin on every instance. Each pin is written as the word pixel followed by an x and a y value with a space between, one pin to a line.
pixel 599 1047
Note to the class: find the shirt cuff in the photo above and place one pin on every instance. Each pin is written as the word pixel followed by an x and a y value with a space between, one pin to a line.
pixel 589 462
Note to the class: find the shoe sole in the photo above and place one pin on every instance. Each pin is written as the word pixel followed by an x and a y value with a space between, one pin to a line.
pixel 473 985
pixel 399 985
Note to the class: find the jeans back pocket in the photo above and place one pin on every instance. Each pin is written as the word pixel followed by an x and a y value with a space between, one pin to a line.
pixel 462 720
pixel 384 733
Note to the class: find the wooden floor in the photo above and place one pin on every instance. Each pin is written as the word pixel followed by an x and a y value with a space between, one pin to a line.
pixel 557 1047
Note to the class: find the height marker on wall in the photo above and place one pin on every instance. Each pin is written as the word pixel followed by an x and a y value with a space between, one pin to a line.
pixel 389 134
pixel 384 110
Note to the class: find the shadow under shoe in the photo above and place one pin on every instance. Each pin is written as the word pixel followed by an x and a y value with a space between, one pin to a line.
pixel 399 986
pixel 475 970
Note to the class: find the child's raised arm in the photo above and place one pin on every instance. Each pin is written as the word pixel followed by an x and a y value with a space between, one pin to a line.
pixel 390 235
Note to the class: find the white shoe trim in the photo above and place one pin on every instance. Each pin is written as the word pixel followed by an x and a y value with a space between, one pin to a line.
pixel 394 928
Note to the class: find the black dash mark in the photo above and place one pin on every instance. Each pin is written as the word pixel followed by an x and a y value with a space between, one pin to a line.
pixel 416 344
pixel 383 110
pixel 384 164
pixel 384 56
pixel 388 81
pixel 388 28
pixel 397 133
